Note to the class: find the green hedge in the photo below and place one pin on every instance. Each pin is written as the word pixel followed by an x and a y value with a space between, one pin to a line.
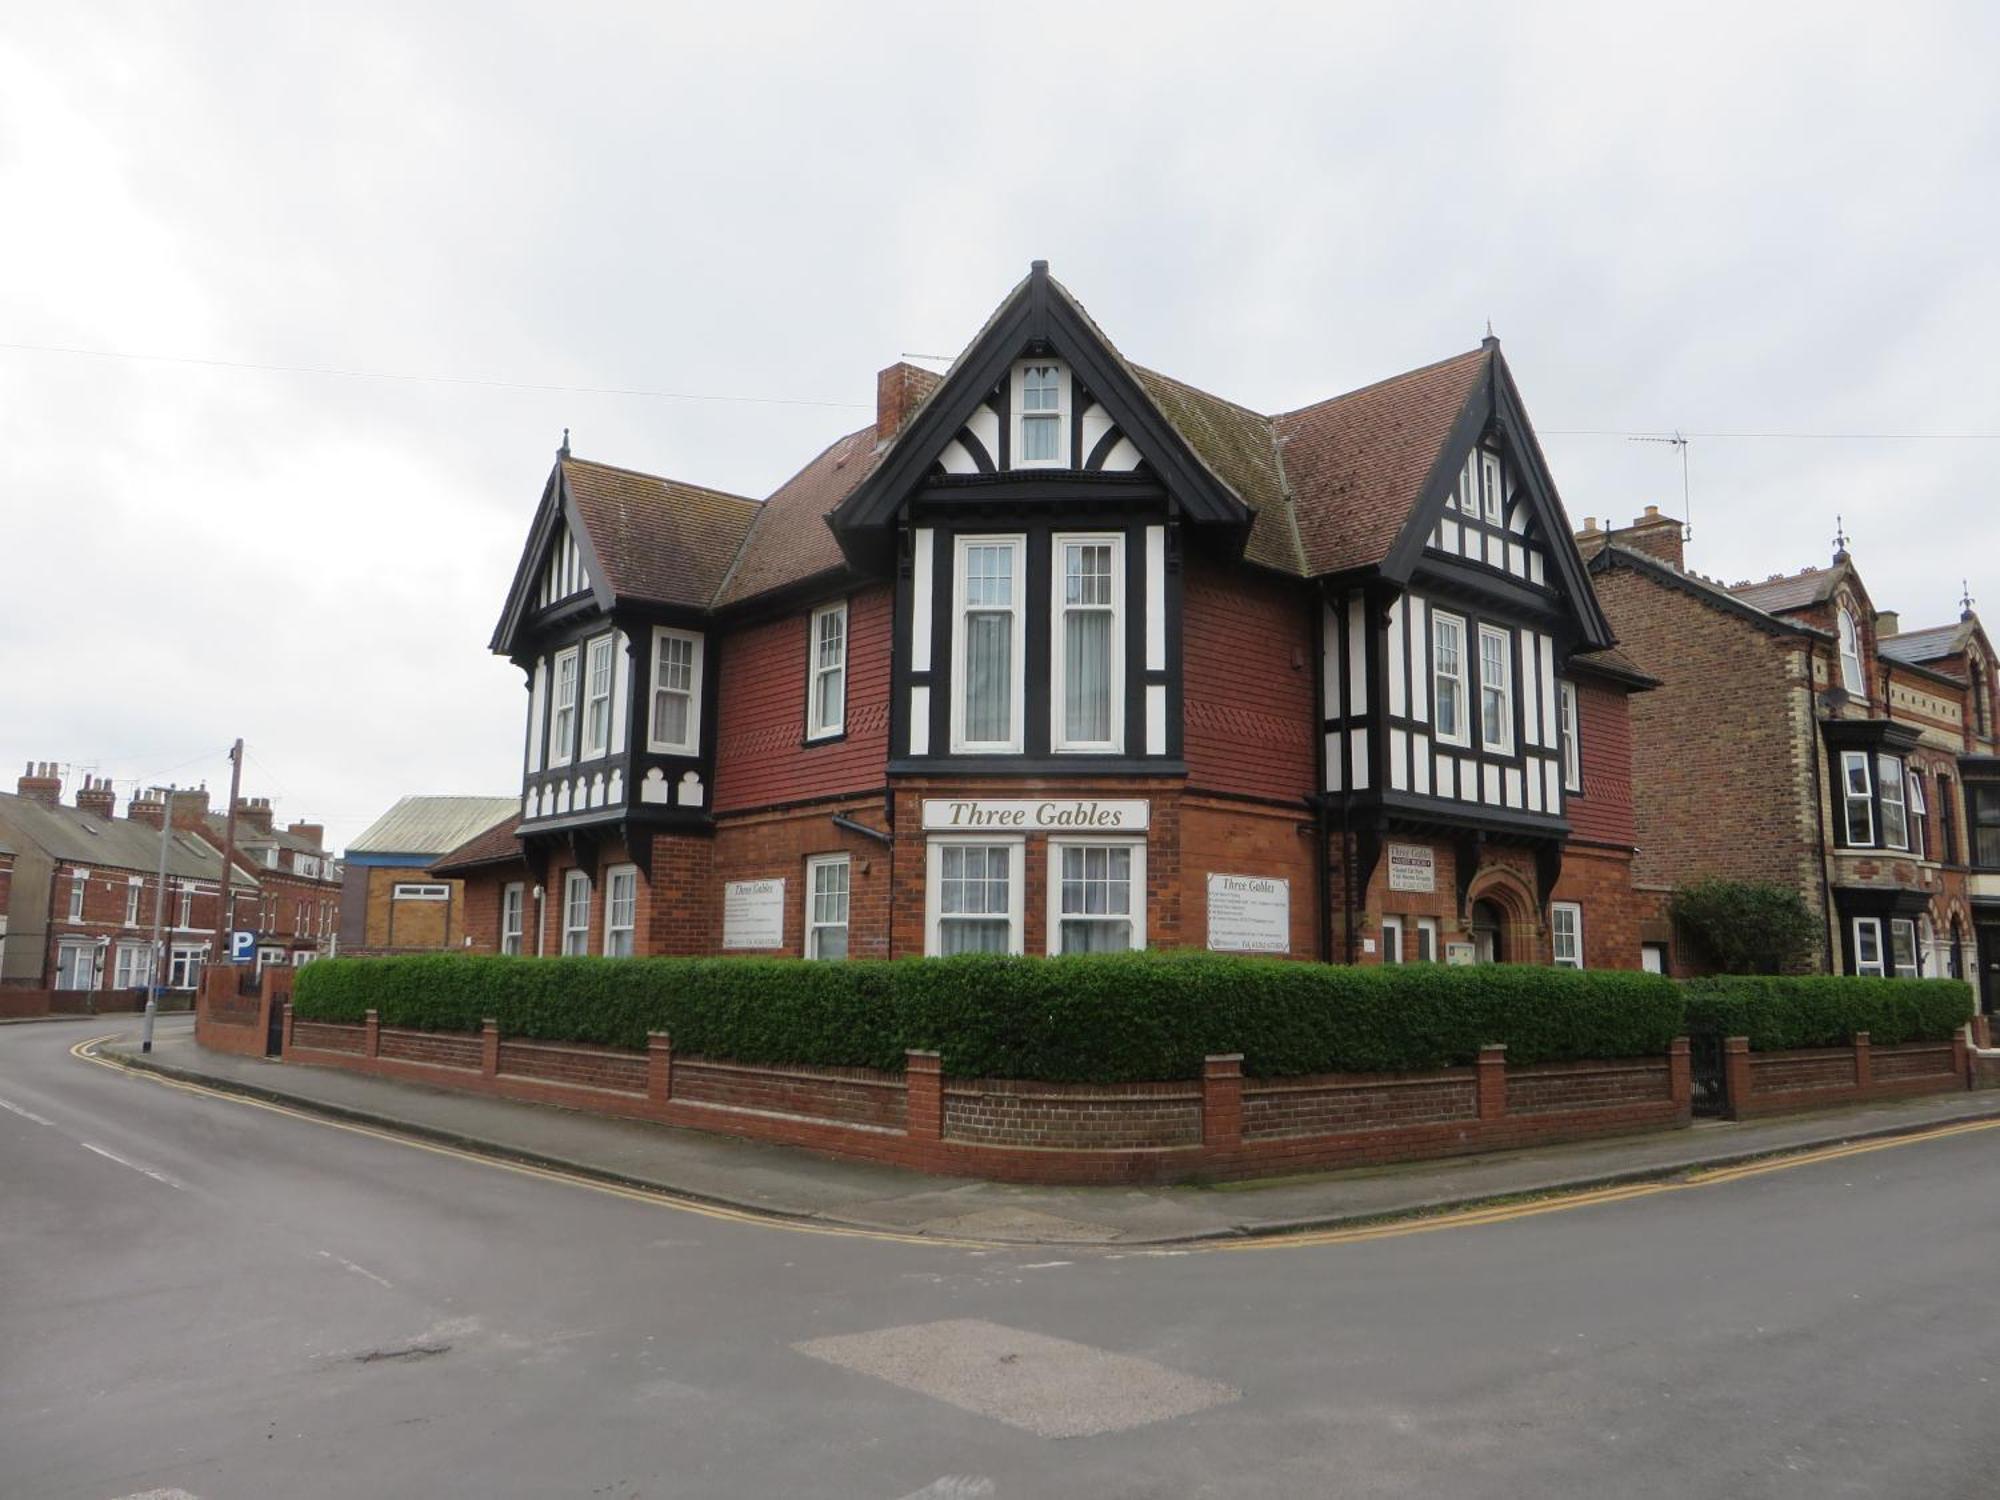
pixel 1105 1018
pixel 1825 1010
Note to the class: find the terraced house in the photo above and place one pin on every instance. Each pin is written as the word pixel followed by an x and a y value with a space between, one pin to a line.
pixel 1061 654
pixel 1802 736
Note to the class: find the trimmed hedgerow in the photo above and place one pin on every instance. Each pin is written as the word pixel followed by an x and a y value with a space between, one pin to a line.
pixel 1103 1018
pixel 1821 1010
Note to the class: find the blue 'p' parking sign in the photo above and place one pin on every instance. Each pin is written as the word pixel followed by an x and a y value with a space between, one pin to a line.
pixel 242 947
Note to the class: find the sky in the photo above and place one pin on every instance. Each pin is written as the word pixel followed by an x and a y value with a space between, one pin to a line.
pixel 503 220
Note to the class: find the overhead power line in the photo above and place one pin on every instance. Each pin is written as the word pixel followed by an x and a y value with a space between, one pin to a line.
pixel 1865 437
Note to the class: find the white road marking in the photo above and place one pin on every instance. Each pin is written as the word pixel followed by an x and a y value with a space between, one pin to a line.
pixel 147 1171
pixel 26 1114
pixel 954 1487
pixel 1046 1265
pixel 160 1495
pixel 358 1270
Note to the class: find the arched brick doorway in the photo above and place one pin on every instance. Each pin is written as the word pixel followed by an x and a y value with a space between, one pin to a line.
pixel 1501 913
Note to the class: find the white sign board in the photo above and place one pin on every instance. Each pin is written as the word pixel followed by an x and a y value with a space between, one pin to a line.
pixel 753 914
pixel 1022 815
pixel 1460 954
pixel 1412 867
pixel 1249 914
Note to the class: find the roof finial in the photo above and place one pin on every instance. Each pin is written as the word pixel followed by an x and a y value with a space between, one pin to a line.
pixel 563 451
pixel 1965 599
pixel 1839 539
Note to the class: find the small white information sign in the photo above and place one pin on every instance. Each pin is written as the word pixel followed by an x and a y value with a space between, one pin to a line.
pixel 1460 954
pixel 1412 867
pixel 1249 914
pixel 753 914
pixel 1027 815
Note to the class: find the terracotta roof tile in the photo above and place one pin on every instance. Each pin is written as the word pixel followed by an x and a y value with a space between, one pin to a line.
pixel 659 540
pixel 790 540
pixel 496 845
pixel 1241 449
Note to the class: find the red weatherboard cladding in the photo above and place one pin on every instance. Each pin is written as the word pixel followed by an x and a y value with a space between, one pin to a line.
pixel 1603 814
pixel 761 755
pixel 1248 659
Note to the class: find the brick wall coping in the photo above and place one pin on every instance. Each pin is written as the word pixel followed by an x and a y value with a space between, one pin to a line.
pixel 752 1112
pixel 867 1077
pixel 1075 1093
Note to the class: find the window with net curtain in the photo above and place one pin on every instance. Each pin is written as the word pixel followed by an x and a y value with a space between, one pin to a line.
pixel 975 898
pixel 829 669
pixel 1089 627
pixel 676 677
pixel 1041 414
pixel 826 924
pixel 990 601
pixel 1095 909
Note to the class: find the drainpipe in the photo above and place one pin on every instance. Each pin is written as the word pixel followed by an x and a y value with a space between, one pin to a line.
pixel 1322 837
pixel 1813 752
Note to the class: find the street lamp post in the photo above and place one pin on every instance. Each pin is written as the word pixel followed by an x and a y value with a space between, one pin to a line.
pixel 159 918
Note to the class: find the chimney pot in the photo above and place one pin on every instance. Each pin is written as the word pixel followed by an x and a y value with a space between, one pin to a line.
pixel 41 784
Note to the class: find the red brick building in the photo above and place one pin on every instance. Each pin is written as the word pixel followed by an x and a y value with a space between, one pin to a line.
pixel 1801 736
pixel 1060 653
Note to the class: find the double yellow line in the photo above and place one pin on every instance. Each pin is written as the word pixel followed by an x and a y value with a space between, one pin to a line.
pixel 1502 1213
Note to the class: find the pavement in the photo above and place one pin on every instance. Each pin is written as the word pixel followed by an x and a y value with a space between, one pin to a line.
pixel 789 1183
pixel 207 1300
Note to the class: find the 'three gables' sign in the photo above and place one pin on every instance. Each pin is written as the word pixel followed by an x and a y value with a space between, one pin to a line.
pixel 1412 867
pixel 753 914
pixel 1023 815
pixel 1249 914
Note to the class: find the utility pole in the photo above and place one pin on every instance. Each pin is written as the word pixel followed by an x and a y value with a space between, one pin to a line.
pixel 227 905
pixel 159 932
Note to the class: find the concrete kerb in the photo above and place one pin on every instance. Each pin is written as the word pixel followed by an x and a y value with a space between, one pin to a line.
pixel 1553 1186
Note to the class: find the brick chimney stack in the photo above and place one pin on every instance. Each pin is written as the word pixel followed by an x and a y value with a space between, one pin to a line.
pixel 256 811
pixel 899 391
pixel 42 782
pixel 1655 535
pixel 149 806
pixel 1887 623
pixel 312 833
pixel 191 804
pixel 1590 538
pixel 96 797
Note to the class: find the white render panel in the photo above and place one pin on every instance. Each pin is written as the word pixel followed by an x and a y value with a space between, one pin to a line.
pixel 1536 572
pixel 1549 697
pixel 1122 458
pixel 1096 422
pixel 1329 660
pixel 1471 543
pixel 1333 760
pixel 920 719
pixel 1552 780
pixel 1448 529
pixel 1156 594
pixel 621 692
pixel 1513 786
pixel 1156 718
pixel 1534 787
pixel 1420 661
pixel 1396 692
pixel 956 460
pixel 1468 779
pixel 1357 657
pixel 1524 669
pixel 1357 746
pixel 1491 791
pixel 1447 777
pixel 1496 552
pixel 921 586
pixel 538 703
pixel 984 424
pixel 1420 764
pixel 1517 517
pixel 1517 559
pixel 1399 755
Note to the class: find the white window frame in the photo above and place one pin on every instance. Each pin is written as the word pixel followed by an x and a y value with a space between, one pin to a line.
pixel 562 715
pixel 79 887
pixel 1492 485
pixel 1918 814
pixel 690 744
pixel 575 936
pixel 1063 458
pixel 1651 954
pixel 1428 946
pixel 184 965
pixel 1017 688
pixel 934 877
pixel 1849 797
pixel 626 876
pixel 1392 940
pixel 1504 744
pixel 87 948
pixel 184 907
pixel 513 918
pixel 814 924
pixel 596 705
pixel 819 724
pixel 1572 738
pixel 1571 940
pixel 1135 918
pixel 132 968
pixel 1904 928
pixel 135 886
pixel 1878 966
pixel 408 891
pixel 1891 769
pixel 1852 676
pixel 1058 657
pixel 1461 733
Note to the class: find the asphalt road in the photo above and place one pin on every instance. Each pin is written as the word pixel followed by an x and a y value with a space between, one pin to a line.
pixel 201 1296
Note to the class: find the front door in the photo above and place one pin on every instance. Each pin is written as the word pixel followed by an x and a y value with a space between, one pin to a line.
pixel 1989 970
pixel 1487 945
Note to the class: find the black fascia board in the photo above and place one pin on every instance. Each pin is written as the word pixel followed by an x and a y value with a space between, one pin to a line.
pixel 1466 429
pixel 1871 734
pixel 507 636
pixel 522 588
pixel 1461 580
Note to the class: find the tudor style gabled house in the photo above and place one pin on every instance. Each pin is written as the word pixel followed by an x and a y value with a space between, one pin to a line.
pixel 1062 654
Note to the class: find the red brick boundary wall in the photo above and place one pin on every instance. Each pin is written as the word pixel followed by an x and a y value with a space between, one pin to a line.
pixel 24 1004
pixel 1221 1125
pixel 230 1019
pixel 1770 1083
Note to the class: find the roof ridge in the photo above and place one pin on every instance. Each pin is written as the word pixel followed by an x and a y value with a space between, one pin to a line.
pixel 686 484
pixel 1291 499
pixel 1376 385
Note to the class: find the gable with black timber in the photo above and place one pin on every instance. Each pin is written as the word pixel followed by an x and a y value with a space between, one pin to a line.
pixel 555 519
pixel 1525 541
pixel 1038 319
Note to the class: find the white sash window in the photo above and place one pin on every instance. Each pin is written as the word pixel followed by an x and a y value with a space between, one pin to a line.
pixel 1392 940
pixel 1868 946
pixel 1496 690
pixel 1088 673
pixel 562 722
pixel 1042 415
pixel 576 912
pixel 1895 811
pixel 511 927
pixel 1448 678
pixel 1097 896
pixel 597 700
pixel 1566 929
pixel 827 877
pixel 974 896
pixel 676 719
pixel 988 643
pixel 1860 802
pixel 826 712
pixel 621 908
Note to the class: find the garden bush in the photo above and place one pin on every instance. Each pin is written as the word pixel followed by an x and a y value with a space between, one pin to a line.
pixel 1820 1010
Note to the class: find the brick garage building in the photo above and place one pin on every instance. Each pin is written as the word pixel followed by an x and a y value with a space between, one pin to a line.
pixel 1801 737
pixel 390 901
pixel 1060 653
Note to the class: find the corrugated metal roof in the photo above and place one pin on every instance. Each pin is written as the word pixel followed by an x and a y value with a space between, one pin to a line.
pixel 431 825
pixel 68 833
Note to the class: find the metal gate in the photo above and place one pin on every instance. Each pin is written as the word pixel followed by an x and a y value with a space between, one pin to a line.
pixel 1709 1082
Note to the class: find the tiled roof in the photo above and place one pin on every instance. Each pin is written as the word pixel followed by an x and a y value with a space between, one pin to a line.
pixel 1776 595
pixel 1613 663
pixel 69 833
pixel 432 825
pixel 790 540
pixel 1357 462
pixel 248 837
pixel 496 845
pixel 1241 449
pixel 659 540
pixel 1919 646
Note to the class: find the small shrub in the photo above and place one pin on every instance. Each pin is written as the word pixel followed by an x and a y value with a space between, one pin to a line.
pixel 1746 926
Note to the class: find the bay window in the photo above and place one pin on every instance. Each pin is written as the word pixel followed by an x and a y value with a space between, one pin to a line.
pixel 1982 804
pixel 675 727
pixel 974 896
pixel 76 965
pixel 576 913
pixel 1572 743
pixel 1097 896
pixel 1566 931
pixel 562 722
pixel 621 908
pixel 1903 947
pixel 135 966
pixel 512 901
pixel 1496 690
pixel 826 706
pixel 1895 810
pixel 1088 672
pixel 597 699
pixel 1042 415
pixel 1868 946
pixel 827 892
pixel 1859 797
pixel 987 644
pixel 184 965
pixel 1920 818
pixel 1448 678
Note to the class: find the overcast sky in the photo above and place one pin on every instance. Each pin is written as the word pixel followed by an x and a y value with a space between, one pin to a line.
pixel 1749 218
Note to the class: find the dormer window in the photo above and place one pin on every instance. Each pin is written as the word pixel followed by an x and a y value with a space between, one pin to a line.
pixel 1041 404
pixel 1851 676
pixel 1489 484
